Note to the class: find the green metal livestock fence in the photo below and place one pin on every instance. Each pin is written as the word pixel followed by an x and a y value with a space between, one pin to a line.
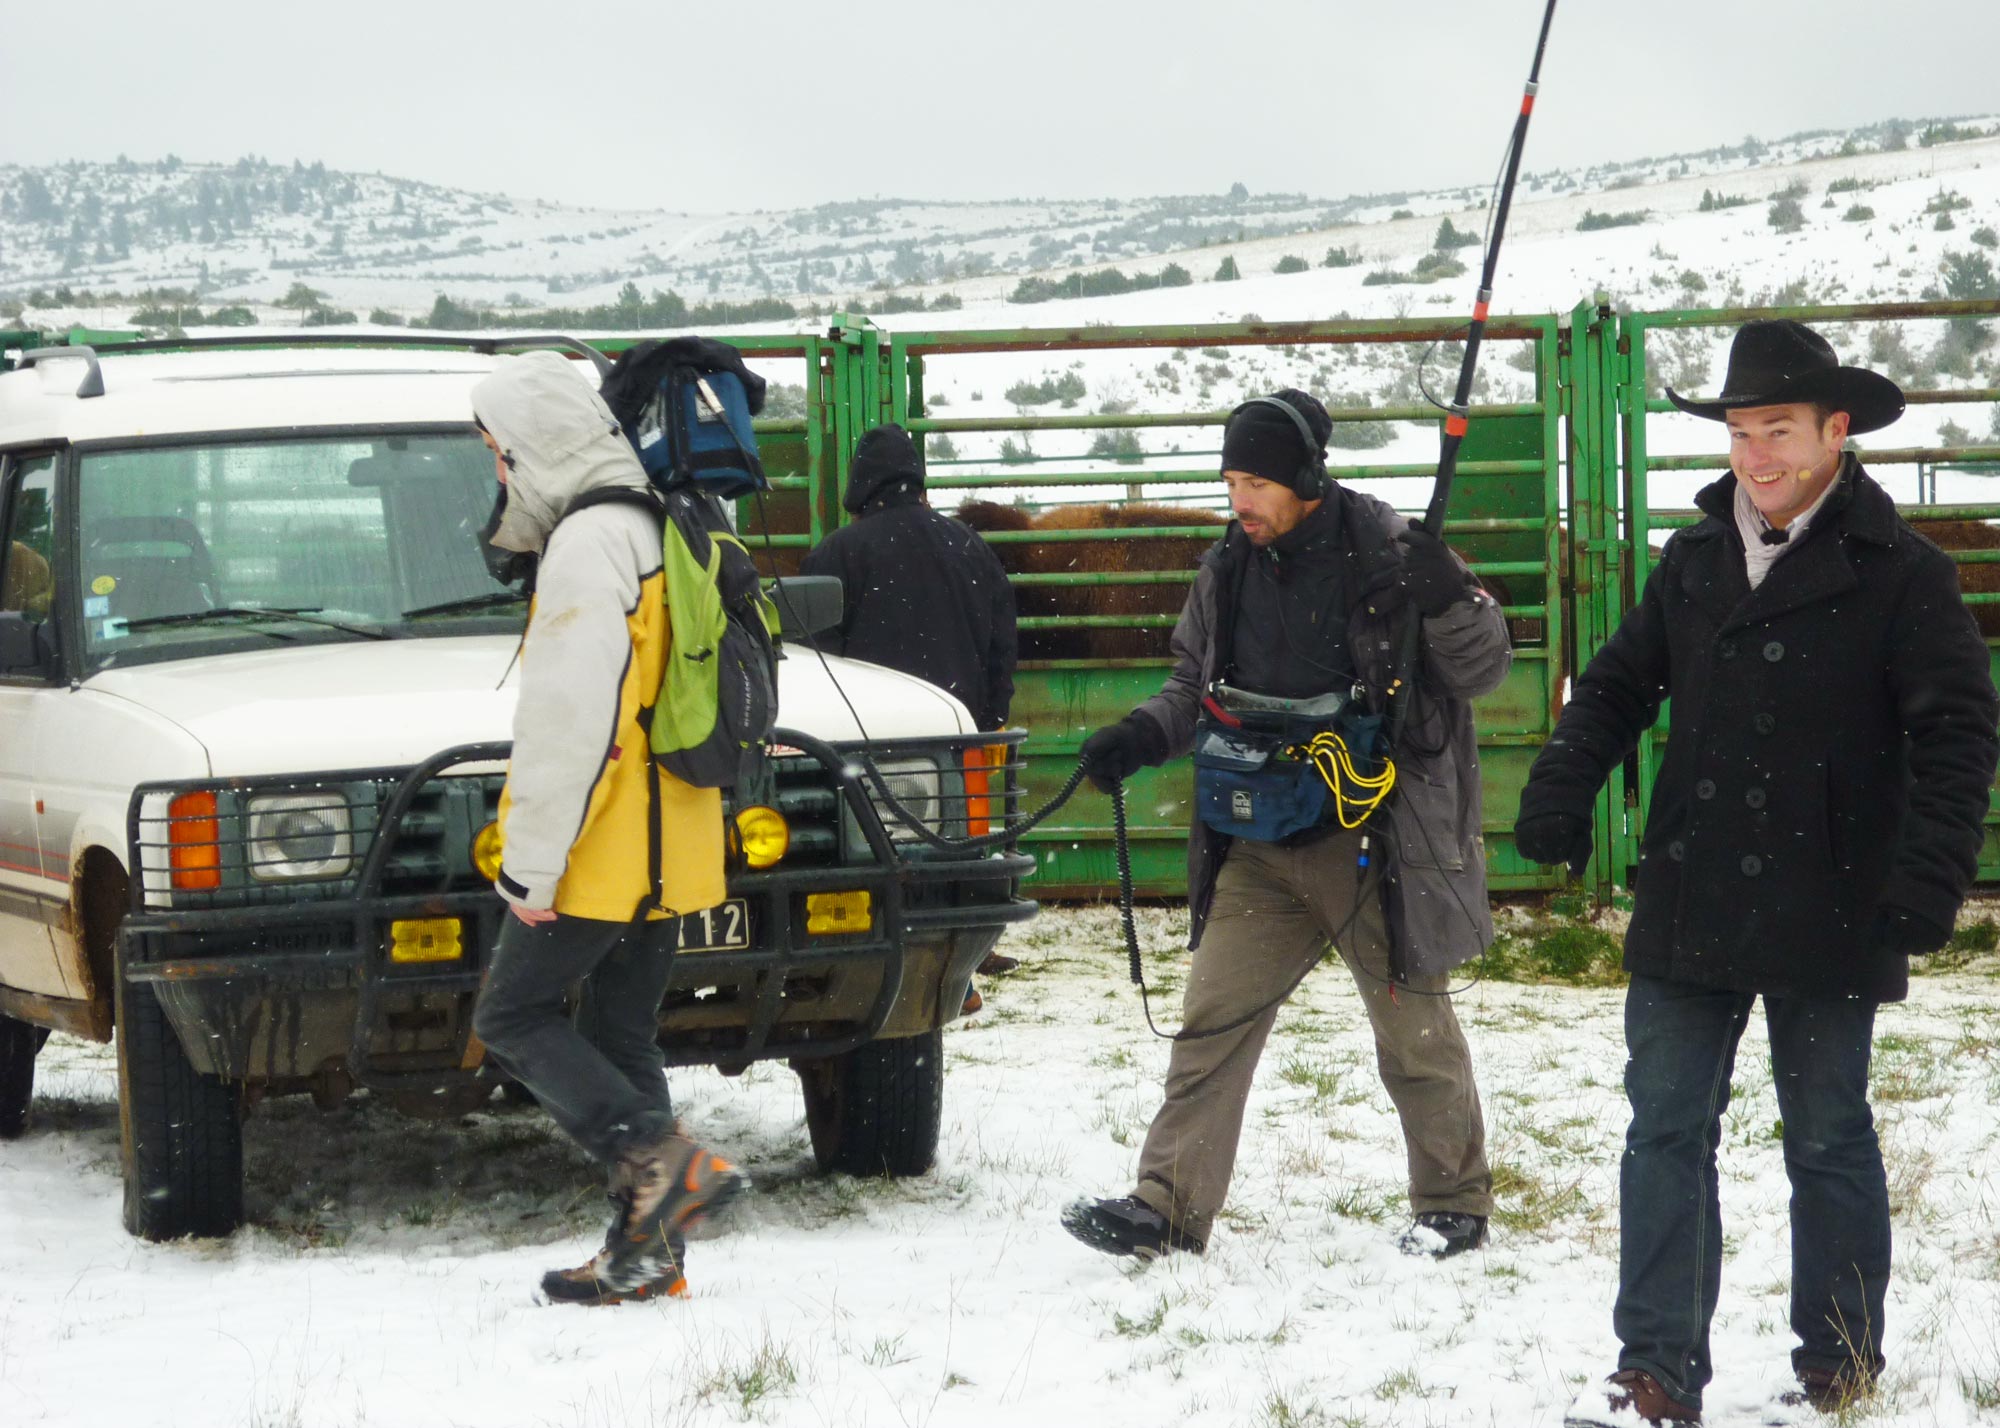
pixel 1560 500
pixel 1505 520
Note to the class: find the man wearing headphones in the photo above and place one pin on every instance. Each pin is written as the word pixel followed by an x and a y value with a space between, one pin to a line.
pixel 1305 600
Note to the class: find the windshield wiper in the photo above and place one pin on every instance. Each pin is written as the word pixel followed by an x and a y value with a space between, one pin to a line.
pixel 489 600
pixel 305 614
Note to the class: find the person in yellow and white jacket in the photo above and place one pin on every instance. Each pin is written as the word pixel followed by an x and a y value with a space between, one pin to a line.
pixel 601 846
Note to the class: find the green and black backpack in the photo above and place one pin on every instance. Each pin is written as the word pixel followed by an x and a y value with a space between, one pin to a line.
pixel 718 702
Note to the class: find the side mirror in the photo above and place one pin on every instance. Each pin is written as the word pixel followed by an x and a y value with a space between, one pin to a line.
pixel 23 645
pixel 807 604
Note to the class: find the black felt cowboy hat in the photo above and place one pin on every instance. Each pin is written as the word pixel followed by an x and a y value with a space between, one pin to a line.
pixel 1774 361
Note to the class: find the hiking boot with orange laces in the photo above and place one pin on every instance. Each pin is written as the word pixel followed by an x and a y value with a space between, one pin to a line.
pixel 1628 1396
pixel 662 1186
pixel 588 1282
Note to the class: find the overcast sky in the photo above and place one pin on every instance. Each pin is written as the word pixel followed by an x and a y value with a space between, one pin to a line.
pixel 717 106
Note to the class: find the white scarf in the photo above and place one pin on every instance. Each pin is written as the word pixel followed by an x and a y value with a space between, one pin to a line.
pixel 1758 558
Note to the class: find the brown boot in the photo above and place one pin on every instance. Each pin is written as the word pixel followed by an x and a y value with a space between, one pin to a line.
pixel 1612 1403
pixel 1828 1390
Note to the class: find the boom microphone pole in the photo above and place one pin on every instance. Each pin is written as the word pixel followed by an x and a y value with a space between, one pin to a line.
pixel 1461 402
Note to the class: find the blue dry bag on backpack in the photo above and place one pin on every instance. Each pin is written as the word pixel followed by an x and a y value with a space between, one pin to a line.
pixel 685 405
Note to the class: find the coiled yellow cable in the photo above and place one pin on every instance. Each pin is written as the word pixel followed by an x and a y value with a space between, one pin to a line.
pixel 1329 755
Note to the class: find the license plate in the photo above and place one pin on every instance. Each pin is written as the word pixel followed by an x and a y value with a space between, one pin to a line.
pixel 722 928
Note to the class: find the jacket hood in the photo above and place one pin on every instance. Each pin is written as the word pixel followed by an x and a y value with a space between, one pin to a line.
pixel 884 459
pixel 561 437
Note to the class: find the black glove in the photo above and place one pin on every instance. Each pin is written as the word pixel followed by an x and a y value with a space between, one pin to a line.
pixel 1427 576
pixel 1117 751
pixel 1555 838
pixel 1897 931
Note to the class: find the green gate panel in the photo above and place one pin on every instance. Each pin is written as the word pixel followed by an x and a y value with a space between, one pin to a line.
pixel 1551 506
pixel 1060 707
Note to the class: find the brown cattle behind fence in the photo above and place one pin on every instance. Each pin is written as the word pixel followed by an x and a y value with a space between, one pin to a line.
pixel 1095 557
pixel 1974 577
pixel 1118 554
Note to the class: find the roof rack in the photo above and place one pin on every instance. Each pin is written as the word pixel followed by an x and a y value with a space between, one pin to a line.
pixel 489 346
pixel 92 384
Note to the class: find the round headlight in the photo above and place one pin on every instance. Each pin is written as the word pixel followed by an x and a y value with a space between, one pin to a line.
pixel 304 836
pixel 764 835
pixel 299 835
pixel 486 850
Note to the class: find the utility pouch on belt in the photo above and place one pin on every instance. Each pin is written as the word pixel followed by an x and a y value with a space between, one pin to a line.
pixel 1267 769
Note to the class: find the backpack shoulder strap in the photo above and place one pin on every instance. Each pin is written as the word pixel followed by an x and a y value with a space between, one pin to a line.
pixel 615 496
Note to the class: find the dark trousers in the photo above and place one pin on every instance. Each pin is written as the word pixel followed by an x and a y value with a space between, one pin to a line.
pixel 1681 1044
pixel 599 1074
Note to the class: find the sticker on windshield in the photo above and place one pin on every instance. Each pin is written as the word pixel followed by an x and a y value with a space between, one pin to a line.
pixel 96 605
pixel 113 629
pixel 103 585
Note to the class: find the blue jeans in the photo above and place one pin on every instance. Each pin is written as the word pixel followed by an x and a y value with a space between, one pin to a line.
pixel 1681 1044
pixel 600 1075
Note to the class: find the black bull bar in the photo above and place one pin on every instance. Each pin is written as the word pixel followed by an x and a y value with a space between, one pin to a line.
pixel 220 1002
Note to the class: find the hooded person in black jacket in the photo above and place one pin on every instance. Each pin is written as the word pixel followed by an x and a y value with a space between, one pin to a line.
pixel 921 592
pixel 1816 821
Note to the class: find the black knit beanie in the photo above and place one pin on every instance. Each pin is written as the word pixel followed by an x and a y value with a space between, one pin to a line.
pixel 1263 441
pixel 884 456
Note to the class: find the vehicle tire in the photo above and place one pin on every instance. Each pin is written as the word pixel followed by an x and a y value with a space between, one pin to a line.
pixel 182 1131
pixel 18 1044
pixel 876 1110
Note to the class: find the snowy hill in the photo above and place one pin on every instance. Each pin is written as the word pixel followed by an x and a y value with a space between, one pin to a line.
pixel 244 233
pixel 1891 212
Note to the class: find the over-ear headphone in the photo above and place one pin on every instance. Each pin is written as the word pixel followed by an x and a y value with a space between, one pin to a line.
pixel 1311 483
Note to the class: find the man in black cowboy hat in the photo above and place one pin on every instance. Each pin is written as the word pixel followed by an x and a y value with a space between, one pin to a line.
pixel 1816 822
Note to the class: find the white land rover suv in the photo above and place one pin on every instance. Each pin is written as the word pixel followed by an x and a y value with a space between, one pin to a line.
pixel 256 684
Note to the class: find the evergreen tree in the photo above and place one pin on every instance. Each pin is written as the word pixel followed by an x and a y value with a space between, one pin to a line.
pixel 301 296
pixel 1450 237
pixel 38 205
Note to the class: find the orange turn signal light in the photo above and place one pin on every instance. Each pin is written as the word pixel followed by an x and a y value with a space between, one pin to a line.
pixel 194 843
pixel 979 764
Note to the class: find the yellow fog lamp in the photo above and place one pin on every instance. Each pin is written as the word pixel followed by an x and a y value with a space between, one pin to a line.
pixel 486 850
pixel 838 914
pixel 425 939
pixel 763 834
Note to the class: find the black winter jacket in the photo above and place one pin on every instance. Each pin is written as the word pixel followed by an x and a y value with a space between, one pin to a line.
pixel 922 593
pixel 1831 752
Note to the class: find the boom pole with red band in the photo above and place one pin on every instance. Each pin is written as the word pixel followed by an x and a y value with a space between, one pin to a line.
pixel 1461 402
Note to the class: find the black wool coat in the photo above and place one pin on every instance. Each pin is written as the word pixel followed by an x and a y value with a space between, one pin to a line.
pixel 1831 750
pixel 922 593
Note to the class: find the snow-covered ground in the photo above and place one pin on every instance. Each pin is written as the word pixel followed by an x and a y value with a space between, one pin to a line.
pixel 387 1275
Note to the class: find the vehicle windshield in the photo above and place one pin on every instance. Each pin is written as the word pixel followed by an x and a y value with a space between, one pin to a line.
pixel 201 549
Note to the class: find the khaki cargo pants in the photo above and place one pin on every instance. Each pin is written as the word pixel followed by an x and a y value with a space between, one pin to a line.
pixel 1275 908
